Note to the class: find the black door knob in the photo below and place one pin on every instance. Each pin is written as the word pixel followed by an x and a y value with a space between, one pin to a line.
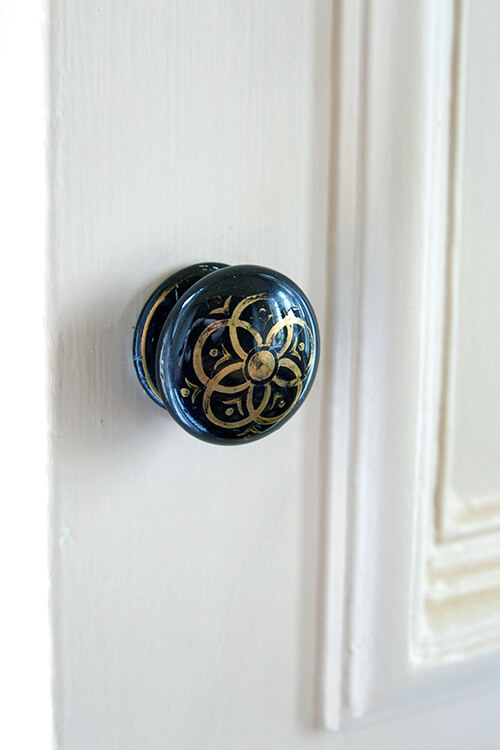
pixel 230 351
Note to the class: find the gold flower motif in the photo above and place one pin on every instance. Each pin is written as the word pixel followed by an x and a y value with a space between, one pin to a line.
pixel 259 374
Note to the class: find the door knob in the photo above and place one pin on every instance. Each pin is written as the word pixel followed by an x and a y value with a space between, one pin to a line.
pixel 230 351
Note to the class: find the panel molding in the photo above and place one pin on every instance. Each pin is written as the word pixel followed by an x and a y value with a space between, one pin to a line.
pixel 456 517
pixel 412 601
pixel 460 585
pixel 346 175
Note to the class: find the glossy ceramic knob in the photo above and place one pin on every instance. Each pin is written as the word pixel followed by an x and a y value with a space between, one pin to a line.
pixel 230 351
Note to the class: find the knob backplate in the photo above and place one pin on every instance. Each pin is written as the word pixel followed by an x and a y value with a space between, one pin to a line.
pixel 152 319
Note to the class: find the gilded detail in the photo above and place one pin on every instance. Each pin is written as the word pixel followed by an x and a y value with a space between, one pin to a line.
pixel 251 360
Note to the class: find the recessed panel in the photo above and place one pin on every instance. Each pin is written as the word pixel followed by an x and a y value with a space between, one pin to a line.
pixel 472 419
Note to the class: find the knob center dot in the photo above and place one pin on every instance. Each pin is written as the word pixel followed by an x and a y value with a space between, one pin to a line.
pixel 261 365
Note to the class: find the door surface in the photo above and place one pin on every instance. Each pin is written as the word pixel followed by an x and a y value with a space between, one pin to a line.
pixel 342 573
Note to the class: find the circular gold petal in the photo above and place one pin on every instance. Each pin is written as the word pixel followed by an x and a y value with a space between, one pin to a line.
pixel 198 349
pixel 207 408
pixel 288 364
pixel 303 324
pixel 273 420
pixel 253 412
pixel 214 384
pixel 289 321
pixel 256 412
pixel 235 323
pixel 286 322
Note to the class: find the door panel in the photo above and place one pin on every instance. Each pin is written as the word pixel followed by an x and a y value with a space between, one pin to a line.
pixel 412 610
pixel 222 597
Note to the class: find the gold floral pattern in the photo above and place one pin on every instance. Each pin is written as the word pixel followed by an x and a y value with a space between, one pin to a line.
pixel 251 360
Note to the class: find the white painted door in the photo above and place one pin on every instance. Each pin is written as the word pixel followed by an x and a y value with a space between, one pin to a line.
pixel 344 569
